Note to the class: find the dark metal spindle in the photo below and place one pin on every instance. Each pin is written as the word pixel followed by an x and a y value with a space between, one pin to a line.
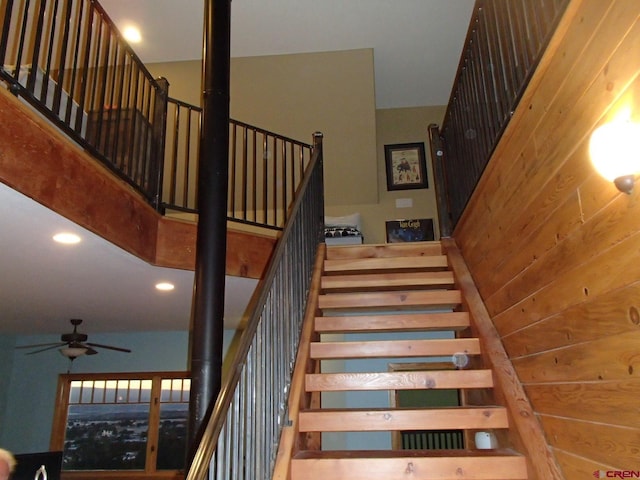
pixel 265 149
pixel 22 40
pixel 74 68
pixel 254 176
pixel 4 33
pixel 35 53
pixel 44 88
pixel 245 181
pixel 232 169
pixel 284 181
pixel 187 157
pixel 84 81
pixel 62 62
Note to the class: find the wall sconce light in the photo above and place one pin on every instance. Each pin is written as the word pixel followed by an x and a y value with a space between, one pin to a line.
pixel 614 149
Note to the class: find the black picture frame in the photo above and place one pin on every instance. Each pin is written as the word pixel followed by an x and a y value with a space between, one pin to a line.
pixel 414 230
pixel 406 166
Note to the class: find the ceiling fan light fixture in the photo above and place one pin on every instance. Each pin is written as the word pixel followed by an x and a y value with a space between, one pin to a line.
pixel 73 352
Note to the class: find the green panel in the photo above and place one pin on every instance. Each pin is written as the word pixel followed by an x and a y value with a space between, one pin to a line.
pixel 428 398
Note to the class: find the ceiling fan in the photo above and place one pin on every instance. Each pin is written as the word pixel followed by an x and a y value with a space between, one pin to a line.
pixel 73 345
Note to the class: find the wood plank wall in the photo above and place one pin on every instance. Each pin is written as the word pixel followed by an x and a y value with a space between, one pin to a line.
pixel 555 250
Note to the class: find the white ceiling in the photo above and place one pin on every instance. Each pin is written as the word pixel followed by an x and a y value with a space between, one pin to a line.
pixel 416 44
pixel 44 284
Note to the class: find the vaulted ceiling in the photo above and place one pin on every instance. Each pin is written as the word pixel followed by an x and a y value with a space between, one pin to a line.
pixel 416 45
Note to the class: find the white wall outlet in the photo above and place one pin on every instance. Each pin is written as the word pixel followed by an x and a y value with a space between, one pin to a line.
pixel 404 202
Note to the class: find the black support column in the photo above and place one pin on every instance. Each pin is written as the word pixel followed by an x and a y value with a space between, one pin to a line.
pixel 208 298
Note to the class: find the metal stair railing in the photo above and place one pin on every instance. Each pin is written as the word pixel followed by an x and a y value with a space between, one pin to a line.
pixel 240 439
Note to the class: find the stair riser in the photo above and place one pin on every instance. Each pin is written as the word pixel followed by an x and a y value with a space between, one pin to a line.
pixel 476 468
pixel 388 300
pixel 422 249
pixel 385 264
pixel 455 379
pixel 393 323
pixel 394 349
pixel 396 420
pixel 387 281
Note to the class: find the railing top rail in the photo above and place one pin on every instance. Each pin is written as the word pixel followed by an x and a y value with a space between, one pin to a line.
pixel 269 133
pixel 190 106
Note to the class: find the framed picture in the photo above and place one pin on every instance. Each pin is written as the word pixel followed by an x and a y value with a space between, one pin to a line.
pixel 417 230
pixel 406 166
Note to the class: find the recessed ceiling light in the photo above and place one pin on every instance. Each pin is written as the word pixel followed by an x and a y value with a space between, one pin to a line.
pixel 165 286
pixel 132 34
pixel 66 238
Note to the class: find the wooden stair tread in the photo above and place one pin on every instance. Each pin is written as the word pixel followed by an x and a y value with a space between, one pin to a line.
pixel 393 322
pixel 426 279
pixel 384 250
pixel 388 264
pixel 410 380
pixel 389 419
pixel 404 464
pixel 390 300
pixel 394 348
pixel 467 452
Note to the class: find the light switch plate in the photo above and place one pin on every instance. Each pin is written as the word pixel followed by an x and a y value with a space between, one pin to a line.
pixel 404 202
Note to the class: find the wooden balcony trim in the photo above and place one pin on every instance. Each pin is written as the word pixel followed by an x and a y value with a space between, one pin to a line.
pixel 40 162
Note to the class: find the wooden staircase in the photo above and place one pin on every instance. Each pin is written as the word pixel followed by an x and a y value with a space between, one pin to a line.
pixel 382 290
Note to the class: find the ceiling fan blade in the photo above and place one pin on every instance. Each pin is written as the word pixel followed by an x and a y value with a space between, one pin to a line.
pixel 118 349
pixel 50 347
pixel 90 351
pixel 39 345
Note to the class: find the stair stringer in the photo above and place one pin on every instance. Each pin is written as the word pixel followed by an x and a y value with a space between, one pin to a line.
pixel 526 434
pixel 291 439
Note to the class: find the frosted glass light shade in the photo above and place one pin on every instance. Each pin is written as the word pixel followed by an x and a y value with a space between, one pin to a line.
pixel 614 149
pixel 73 352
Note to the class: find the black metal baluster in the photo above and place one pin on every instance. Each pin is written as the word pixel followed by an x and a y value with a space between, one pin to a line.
pixel 4 33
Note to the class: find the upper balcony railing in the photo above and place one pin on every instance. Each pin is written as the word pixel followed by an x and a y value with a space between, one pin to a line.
pixel 504 44
pixel 69 61
pixel 264 168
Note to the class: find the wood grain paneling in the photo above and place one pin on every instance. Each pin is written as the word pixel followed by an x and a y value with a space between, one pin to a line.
pixel 609 358
pixel 574 287
pixel 614 312
pixel 610 445
pixel 575 466
pixel 604 402
pixel 553 247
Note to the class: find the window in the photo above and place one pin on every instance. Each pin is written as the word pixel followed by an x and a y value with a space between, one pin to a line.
pixel 126 422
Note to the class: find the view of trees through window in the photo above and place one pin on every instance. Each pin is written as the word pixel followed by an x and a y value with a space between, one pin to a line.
pixel 125 424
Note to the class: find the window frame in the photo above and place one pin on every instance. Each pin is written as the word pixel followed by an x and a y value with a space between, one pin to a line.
pixel 59 425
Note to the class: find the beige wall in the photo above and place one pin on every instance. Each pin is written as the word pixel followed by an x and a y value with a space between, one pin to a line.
pixel 296 95
pixel 397 125
pixel 331 92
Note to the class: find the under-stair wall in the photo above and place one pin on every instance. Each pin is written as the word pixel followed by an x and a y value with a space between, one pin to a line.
pixel 553 247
